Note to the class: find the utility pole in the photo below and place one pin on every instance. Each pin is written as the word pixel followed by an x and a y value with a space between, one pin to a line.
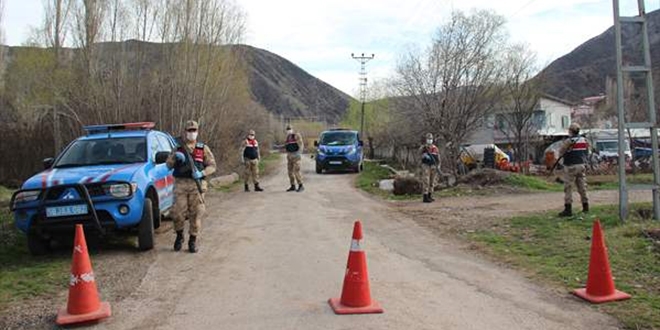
pixel 363 83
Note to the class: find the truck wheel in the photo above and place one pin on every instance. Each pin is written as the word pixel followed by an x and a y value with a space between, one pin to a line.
pixel 146 227
pixel 319 169
pixel 37 245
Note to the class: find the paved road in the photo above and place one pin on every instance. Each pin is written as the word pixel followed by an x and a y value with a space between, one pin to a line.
pixel 271 260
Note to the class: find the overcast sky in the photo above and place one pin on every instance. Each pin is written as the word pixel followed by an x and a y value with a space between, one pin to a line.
pixel 320 35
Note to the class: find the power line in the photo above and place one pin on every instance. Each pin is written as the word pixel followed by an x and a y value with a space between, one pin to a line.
pixel 363 83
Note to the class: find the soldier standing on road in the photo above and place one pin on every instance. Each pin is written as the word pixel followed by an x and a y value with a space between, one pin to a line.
pixel 294 148
pixel 574 150
pixel 430 161
pixel 251 156
pixel 189 201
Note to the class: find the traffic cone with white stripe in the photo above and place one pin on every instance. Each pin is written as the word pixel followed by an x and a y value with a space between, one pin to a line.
pixel 83 304
pixel 356 295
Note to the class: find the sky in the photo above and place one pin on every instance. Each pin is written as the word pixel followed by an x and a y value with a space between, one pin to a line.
pixel 320 35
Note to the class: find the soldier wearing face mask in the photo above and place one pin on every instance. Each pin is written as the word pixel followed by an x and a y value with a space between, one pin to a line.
pixel 430 163
pixel 294 148
pixel 188 200
pixel 250 157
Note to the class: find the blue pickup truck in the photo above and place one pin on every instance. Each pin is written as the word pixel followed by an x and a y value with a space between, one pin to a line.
pixel 112 179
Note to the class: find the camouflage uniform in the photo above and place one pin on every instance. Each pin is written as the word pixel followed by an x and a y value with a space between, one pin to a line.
pixel 250 157
pixel 430 161
pixel 574 151
pixel 294 147
pixel 188 202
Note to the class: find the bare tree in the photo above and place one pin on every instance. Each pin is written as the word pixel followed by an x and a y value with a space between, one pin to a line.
pixel 451 87
pixel 520 97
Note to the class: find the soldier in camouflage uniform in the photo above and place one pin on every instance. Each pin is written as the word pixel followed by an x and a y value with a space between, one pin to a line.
pixel 574 150
pixel 430 162
pixel 250 157
pixel 189 202
pixel 294 148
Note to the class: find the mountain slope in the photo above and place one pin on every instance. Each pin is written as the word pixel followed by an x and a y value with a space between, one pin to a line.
pixel 584 71
pixel 284 88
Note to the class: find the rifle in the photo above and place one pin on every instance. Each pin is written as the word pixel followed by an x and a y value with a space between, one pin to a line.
pixel 193 168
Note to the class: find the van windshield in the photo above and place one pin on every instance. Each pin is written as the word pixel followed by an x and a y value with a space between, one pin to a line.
pixel 338 138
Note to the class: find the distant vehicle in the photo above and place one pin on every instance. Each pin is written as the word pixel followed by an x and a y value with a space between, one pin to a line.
pixel 339 149
pixel 112 179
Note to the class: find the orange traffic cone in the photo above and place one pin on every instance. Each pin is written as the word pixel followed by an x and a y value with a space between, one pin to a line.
pixel 83 304
pixel 600 285
pixel 356 295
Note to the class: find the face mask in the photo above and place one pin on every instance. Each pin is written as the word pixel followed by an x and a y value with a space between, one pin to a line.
pixel 250 137
pixel 429 141
pixel 191 136
pixel 289 131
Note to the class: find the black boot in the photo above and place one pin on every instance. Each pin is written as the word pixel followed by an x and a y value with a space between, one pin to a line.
pixel 585 207
pixel 426 198
pixel 247 189
pixel 292 188
pixel 178 241
pixel 567 212
pixel 300 188
pixel 192 244
pixel 257 188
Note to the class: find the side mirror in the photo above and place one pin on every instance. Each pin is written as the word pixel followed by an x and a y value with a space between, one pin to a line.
pixel 360 143
pixel 316 143
pixel 161 157
pixel 48 163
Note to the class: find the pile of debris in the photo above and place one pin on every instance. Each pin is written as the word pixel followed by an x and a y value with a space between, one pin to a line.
pixel 484 177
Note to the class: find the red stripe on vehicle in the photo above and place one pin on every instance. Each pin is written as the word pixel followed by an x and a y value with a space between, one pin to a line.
pixel 109 174
pixel 44 178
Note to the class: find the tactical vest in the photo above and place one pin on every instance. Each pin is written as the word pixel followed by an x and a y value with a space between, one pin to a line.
pixel 251 150
pixel 434 155
pixel 577 153
pixel 291 143
pixel 198 159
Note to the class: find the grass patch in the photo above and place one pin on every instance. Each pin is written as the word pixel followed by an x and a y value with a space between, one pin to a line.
pixel 557 251
pixel 23 276
pixel 369 178
pixel 532 183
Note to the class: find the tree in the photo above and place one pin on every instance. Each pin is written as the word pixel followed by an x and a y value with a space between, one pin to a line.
pixel 520 95
pixel 452 86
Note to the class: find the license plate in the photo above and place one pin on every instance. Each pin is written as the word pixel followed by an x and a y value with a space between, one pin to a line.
pixel 335 162
pixel 63 211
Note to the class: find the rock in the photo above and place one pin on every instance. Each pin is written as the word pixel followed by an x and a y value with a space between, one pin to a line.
pixel 387 185
pixel 223 181
pixel 407 185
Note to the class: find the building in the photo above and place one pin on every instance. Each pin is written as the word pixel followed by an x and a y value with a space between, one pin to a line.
pixel 550 121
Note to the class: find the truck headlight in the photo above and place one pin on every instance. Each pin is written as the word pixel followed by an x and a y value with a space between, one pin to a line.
pixel 351 150
pixel 26 196
pixel 120 190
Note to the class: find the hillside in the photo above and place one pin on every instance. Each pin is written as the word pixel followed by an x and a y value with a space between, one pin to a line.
pixel 584 71
pixel 280 86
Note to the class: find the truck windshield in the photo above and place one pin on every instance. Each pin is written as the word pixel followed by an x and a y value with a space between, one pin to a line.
pixel 338 138
pixel 104 151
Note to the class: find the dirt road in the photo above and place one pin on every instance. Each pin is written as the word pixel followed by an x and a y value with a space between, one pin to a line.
pixel 271 260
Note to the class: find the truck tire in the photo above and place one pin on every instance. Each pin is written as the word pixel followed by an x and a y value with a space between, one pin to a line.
pixel 37 245
pixel 146 227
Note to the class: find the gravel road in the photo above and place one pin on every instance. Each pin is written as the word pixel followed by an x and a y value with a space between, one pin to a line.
pixel 271 260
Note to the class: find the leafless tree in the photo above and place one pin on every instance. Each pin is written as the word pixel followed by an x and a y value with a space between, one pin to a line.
pixel 520 95
pixel 452 86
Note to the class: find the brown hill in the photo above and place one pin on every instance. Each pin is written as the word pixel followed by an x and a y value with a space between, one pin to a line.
pixel 584 71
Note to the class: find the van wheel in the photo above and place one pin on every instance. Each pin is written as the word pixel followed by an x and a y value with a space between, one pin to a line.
pixel 36 245
pixel 319 169
pixel 146 227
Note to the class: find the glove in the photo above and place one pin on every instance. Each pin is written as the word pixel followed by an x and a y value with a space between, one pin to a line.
pixel 197 175
pixel 180 158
